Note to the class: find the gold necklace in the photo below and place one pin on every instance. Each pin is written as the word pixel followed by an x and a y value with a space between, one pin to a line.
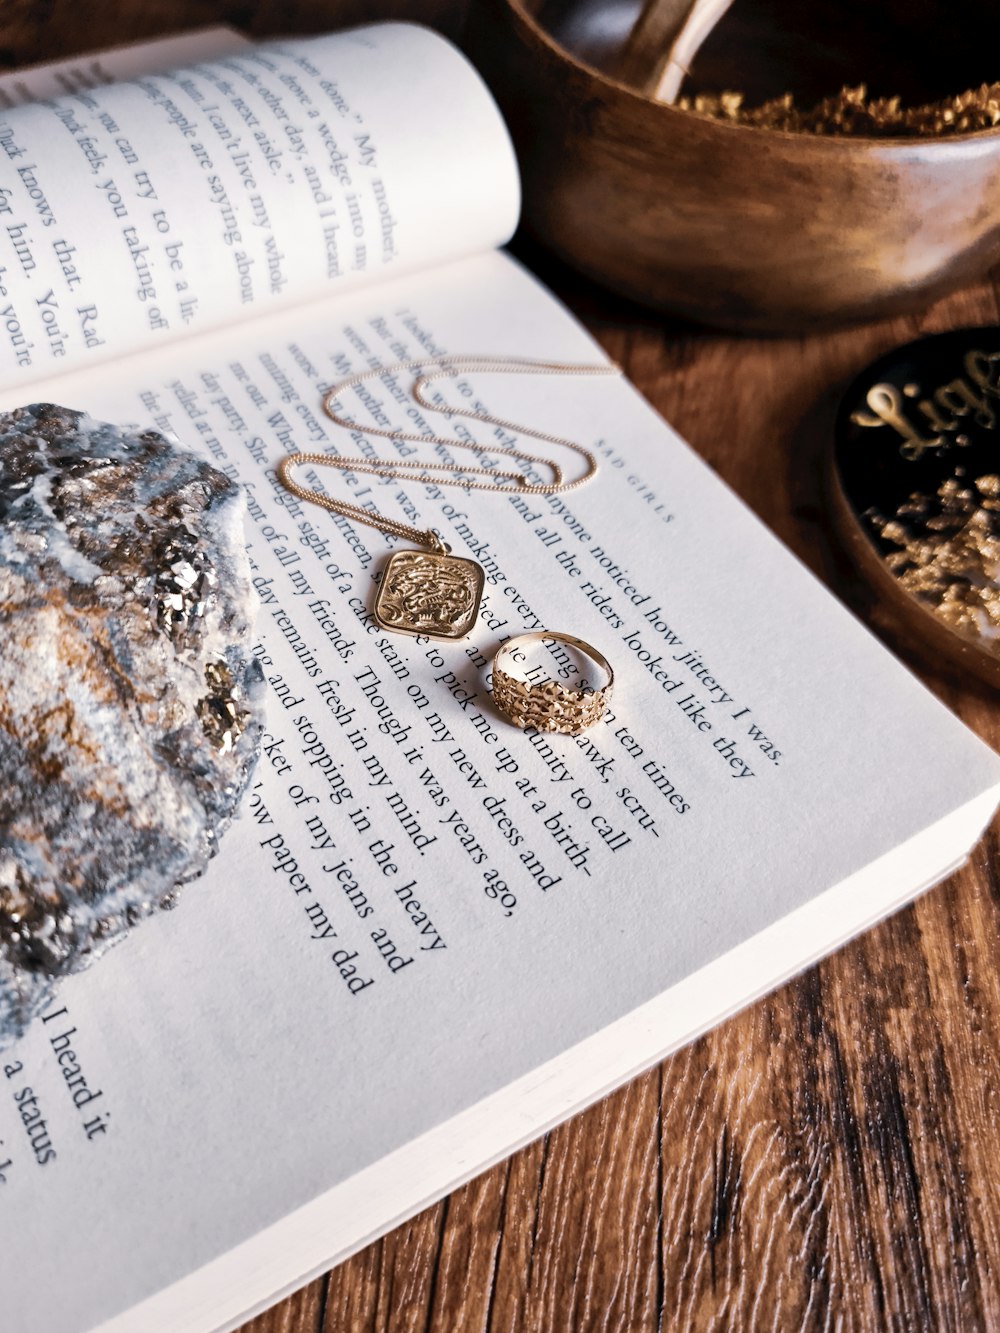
pixel 431 591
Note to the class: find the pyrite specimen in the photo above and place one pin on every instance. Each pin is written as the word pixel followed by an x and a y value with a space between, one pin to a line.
pixel 130 704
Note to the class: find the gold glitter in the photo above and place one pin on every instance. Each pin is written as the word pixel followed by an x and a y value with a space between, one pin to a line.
pixel 853 112
pixel 949 554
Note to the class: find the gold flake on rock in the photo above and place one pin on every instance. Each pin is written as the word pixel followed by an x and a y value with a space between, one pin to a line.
pixel 221 717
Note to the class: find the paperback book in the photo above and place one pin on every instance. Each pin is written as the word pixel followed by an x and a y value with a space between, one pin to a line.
pixel 430 935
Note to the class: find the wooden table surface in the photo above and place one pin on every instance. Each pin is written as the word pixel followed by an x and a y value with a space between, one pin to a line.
pixel 828 1159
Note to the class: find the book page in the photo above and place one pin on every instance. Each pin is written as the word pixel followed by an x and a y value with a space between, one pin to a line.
pixel 420 902
pixel 135 213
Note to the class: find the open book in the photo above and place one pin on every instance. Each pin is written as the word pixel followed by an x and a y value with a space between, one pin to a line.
pixel 486 929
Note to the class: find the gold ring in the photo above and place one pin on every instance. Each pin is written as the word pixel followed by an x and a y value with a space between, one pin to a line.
pixel 547 704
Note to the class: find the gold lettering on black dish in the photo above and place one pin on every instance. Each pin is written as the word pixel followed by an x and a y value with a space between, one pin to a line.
pixel 957 399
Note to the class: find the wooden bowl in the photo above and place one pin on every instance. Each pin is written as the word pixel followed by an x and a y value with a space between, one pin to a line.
pixel 746 228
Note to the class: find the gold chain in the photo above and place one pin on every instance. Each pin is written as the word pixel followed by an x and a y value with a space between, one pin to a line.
pixel 443 474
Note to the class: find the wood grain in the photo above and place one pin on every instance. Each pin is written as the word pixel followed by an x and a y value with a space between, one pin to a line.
pixel 827 1158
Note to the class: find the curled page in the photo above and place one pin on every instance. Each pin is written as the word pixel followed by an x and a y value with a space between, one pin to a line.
pixel 178 202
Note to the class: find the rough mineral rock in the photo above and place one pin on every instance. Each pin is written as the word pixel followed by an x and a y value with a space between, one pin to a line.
pixel 130 705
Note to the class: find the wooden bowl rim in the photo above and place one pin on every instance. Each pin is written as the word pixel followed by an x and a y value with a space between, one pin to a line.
pixel 888 145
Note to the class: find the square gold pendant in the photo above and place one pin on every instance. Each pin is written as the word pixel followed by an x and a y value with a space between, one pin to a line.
pixel 423 592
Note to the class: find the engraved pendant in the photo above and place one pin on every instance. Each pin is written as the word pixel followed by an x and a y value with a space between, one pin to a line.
pixel 429 592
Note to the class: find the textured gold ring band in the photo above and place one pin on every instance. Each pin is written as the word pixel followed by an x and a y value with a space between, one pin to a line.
pixel 547 704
